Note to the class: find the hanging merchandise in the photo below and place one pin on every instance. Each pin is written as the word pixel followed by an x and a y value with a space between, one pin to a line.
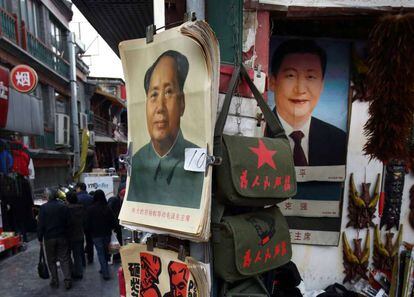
pixel 362 207
pixel 6 158
pixel 21 157
pixel 384 254
pixel 157 272
pixel 169 156
pixel 393 188
pixel 249 244
pixel 260 170
pixel 356 261
pixel 389 89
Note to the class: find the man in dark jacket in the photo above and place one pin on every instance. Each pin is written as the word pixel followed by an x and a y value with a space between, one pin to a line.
pixel 100 223
pixel 76 233
pixel 115 204
pixel 52 230
pixel 86 200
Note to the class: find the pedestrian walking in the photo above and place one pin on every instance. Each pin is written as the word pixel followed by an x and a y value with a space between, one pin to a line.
pixel 86 200
pixel 52 232
pixel 100 223
pixel 115 204
pixel 76 234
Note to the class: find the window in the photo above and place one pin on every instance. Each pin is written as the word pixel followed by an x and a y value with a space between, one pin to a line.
pixel 61 104
pixel 57 34
pixel 30 14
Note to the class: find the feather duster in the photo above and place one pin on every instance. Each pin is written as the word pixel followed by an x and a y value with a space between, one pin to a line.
pixel 390 88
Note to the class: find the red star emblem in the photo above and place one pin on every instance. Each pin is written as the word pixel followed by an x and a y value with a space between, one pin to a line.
pixel 264 155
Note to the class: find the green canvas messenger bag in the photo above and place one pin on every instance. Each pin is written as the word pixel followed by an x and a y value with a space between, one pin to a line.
pixel 255 171
pixel 249 244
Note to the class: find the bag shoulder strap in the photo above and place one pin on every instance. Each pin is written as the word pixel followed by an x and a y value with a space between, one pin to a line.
pixel 273 122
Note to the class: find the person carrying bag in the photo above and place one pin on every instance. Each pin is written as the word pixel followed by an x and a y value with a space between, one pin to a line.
pixel 42 268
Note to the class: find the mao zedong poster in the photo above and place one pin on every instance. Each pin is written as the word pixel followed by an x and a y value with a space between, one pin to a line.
pixel 308 92
pixel 169 111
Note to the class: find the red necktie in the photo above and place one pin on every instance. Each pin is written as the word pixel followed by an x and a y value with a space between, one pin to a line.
pixel 298 154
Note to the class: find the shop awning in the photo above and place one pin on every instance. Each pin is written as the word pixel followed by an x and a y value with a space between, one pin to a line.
pixel 111 97
pixel 118 20
pixel 29 106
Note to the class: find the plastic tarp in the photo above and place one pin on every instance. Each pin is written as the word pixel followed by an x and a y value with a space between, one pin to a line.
pixel 25 114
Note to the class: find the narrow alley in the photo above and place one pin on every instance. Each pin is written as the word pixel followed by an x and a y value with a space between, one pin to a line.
pixel 19 278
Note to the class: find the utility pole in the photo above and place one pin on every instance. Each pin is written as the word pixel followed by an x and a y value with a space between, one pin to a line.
pixel 74 102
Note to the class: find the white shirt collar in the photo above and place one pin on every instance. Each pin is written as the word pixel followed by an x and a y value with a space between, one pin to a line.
pixel 305 130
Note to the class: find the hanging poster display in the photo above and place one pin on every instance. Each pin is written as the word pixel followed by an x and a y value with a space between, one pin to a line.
pixel 308 92
pixel 169 84
pixel 159 273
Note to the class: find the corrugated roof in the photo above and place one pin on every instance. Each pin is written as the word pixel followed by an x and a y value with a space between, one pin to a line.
pixel 118 20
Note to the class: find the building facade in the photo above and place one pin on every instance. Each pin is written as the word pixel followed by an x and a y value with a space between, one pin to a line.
pixel 36 33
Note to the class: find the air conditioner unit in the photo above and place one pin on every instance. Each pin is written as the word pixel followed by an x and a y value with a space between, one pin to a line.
pixel 62 129
pixel 83 120
pixel 91 138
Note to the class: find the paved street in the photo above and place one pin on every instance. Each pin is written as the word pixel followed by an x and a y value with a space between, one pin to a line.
pixel 18 278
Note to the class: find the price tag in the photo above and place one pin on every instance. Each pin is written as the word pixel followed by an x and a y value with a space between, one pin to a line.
pixel 195 159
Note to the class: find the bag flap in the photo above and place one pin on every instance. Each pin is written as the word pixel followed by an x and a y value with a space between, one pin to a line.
pixel 261 167
pixel 261 240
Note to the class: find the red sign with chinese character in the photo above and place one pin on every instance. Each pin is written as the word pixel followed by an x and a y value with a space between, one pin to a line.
pixel 23 78
pixel 4 96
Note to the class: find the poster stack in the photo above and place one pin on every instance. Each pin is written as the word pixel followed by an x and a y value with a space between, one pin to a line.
pixel 172 90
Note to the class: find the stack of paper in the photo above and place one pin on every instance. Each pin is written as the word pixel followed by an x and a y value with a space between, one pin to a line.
pixel 172 91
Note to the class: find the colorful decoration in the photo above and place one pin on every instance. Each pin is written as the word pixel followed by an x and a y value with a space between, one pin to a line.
pixel 384 253
pixel 355 262
pixel 390 80
pixel 393 188
pixel 362 208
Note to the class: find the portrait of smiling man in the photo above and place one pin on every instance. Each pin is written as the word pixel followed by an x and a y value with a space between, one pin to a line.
pixel 158 174
pixel 297 76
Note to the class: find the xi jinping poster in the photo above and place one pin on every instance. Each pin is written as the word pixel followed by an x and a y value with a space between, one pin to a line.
pixel 308 92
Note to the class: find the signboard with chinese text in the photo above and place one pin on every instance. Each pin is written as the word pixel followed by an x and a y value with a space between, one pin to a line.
pixel 4 96
pixel 23 78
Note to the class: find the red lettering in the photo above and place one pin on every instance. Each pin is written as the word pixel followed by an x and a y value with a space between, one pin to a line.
pixel 276 251
pixel 247 259
pixel 286 187
pixel 284 250
pixel 278 182
pixel 243 180
pixel 266 182
pixel 258 256
pixel 256 182
pixel 304 206
pixel 187 218
pixel 268 255
pixel 288 205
